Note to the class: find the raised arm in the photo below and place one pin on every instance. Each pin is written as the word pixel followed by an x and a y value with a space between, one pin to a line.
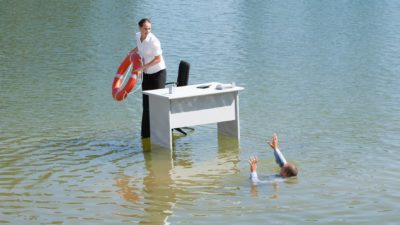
pixel 279 158
pixel 253 169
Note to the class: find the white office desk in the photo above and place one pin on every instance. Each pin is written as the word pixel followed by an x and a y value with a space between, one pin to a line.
pixel 190 106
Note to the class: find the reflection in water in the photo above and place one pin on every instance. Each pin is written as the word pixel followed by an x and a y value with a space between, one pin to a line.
pixel 228 152
pixel 170 178
pixel 153 201
pixel 209 171
pixel 275 190
pixel 127 191
pixel 159 196
pixel 275 194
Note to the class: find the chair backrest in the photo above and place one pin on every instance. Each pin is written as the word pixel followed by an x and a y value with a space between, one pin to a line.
pixel 183 73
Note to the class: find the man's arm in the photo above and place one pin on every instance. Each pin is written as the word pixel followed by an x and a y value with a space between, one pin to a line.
pixel 253 169
pixel 279 158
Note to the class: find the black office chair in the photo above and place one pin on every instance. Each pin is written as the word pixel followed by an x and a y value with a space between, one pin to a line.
pixel 183 80
pixel 183 74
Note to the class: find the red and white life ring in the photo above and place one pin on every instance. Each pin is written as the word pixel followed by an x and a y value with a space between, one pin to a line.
pixel 120 93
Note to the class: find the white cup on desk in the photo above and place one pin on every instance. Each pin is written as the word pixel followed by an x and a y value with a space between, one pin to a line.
pixel 172 88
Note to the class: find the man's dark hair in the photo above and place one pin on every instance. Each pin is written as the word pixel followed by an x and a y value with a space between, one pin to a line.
pixel 291 170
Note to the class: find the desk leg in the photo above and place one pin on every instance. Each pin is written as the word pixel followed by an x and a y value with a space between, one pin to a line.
pixel 231 128
pixel 160 129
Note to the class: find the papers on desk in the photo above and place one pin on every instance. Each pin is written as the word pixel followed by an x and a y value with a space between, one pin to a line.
pixel 217 86
pixel 224 86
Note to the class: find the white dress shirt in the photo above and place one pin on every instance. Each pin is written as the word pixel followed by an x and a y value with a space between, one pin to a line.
pixel 148 49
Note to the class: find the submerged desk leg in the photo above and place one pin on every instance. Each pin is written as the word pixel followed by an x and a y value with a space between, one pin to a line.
pixel 160 129
pixel 231 128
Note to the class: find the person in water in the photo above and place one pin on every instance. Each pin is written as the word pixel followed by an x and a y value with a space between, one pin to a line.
pixel 287 169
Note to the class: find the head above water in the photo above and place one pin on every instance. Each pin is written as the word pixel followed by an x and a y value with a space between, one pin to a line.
pixel 288 170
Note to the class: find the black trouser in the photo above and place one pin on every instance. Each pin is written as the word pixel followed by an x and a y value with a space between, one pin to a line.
pixel 150 82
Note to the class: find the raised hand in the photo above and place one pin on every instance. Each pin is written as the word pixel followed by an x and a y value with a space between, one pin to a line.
pixel 274 142
pixel 253 163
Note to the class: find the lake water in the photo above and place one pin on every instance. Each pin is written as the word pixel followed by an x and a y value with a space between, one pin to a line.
pixel 324 75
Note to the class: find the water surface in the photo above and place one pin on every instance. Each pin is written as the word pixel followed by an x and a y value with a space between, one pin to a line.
pixel 324 75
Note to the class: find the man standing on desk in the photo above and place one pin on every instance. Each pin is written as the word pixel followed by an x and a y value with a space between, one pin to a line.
pixel 154 70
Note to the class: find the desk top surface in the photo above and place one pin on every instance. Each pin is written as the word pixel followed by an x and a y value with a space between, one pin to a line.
pixel 194 90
